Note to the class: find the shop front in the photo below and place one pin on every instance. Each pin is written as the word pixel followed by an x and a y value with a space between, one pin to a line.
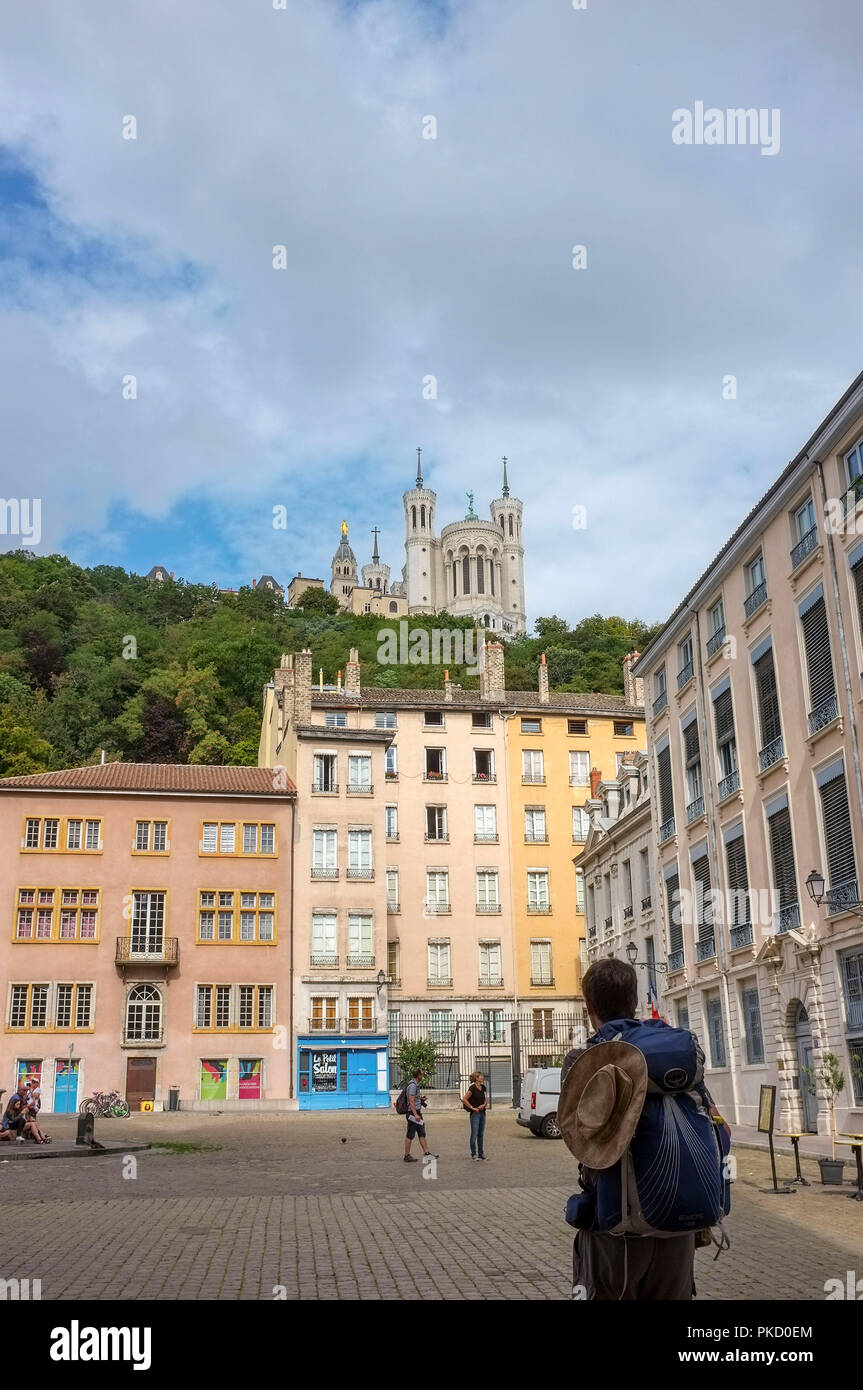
pixel 339 1073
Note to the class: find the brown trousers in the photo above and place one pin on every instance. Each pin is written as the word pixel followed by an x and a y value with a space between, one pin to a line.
pixel 633 1268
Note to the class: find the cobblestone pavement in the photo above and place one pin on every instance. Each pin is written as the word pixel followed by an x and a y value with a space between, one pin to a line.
pixel 322 1206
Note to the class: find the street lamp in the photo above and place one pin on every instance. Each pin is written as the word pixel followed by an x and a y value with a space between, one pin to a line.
pixel 815 887
pixel 632 957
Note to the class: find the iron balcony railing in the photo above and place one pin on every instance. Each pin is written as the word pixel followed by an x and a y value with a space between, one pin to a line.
pixel 539 907
pixel 490 981
pixel 705 948
pixel 715 642
pixel 434 909
pixel 853 495
pixel 645 903
pixel 330 1024
pixel 804 547
pixel 488 907
pixel 741 936
pixel 391 776
pixel 546 981
pixel 753 601
pixel 165 952
pixel 324 959
pixel 332 873
pixel 437 839
pixel 535 837
pixel 685 674
pixel 392 836
pixel 854 1010
pixel 393 905
pixel 143 1036
pixel 627 913
pixel 771 753
pixel 485 839
pixel 432 776
pixel 841 896
pixel 608 924
pixel 360 873
pixel 675 961
pixel 442 982
pixel 578 782
pixel 666 830
pixel 361 960
pixel 695 809
pixel 535 778
pixel 318 788
pixel 484 777
pixel 361 788
pixel 660 702
pixel 824 714
pixel 787 917
pixel 729 785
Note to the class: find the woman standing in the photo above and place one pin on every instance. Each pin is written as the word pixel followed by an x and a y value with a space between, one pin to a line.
pixel 475 1100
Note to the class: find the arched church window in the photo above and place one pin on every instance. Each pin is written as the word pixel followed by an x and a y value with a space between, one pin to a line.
pixel 491 575
pixel 414 517
pixel 454 578
pixel 423 516
pixel 510 523
pixel 465 575
pixel 480 574
pixel 394 608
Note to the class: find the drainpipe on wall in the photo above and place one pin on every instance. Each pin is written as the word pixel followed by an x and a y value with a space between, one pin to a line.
pixel 718 935
pixel 291 959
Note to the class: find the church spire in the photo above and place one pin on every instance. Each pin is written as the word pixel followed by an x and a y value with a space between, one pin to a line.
pixel 375 556
pixel 505 492
pixel 419 468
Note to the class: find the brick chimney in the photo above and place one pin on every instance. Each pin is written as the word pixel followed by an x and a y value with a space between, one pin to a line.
pixel 352 673
pixel 491 677
pixel 254 583
pixel 303 687
pixel 633 687
pixel 283 684
pixel 595 779
pixel 447 688
pixel 543 680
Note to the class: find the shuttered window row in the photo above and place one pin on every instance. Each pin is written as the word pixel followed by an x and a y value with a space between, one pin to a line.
pixel 692 751
pixel 768 699
pixel 666 794
pixel 837 831
pixel 816 640
pixel 703 904
pixel 675 920
pixel 857 574
pixel 738 881
pixel 782 854
pixel 723 714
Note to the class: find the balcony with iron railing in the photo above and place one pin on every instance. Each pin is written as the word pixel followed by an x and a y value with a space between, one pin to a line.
pixel 143 1036
pixel 842 896
pixel 318 789
pixel 787 917
pixel 361 788
pixel 854 1012
pixel 607 925
pixel 694 810
pixel 483 837
pixel 393 905
pixel 361 960
pixel 804 547
pixel 675 961
pixel 705 947
pixel 740 936
pixel 755 600
pixel 533 778
pixel 484 777
pixel 354 873
pixel 823 714
pixel 627 913
pixel 853 495
pixel 535 837
pixel 646 903
pixel 392 837
pixel 488 907
pixel 324 960
pixel 715 642
pixel 442 982
pixel 729 785
pixel 660 703
pixel 772 753
pixel 437 909
pixel 490 982
pixel 436 839
pixel 666 830
pixel 685 674
pixel 539 909
pixel 579 782
pixel 430 775
pixel 542 982
pixel 329 872
pixel 147 952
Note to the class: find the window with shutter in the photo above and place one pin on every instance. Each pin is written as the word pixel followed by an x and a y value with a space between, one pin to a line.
pixel 842 872
pixel 675 919
pixel 784 870
pixel 738 881
pixel 752 1025
pixel 692 755
pixel 723 717
pixel 852 968
pixel 857 576
pixel 666 794
pixel 768 699
pixel 822 688
pixel 703 904
pixel 716 1031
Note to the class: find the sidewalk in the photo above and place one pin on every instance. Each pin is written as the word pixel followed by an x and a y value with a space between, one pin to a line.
pixel 811 1145
pixel 65 1148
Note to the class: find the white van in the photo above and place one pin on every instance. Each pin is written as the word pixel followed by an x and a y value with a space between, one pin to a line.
pixel 540 1093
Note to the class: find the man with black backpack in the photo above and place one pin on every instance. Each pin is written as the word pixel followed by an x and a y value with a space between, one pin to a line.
pixel 413 1103
pixel 651 1145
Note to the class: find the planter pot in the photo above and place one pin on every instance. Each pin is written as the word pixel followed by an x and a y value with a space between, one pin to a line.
pixel 831 1171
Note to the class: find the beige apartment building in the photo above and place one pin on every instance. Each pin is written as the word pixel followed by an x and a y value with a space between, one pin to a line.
pixel 754 692
pixel 147 939
pixel 468 807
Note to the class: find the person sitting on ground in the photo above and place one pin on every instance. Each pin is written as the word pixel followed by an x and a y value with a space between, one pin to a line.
pixel 15 1116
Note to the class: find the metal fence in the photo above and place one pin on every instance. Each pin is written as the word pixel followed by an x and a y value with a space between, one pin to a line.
pixel 502 1046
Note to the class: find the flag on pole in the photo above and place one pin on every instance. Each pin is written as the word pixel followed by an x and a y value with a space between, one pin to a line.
pixel 654 1003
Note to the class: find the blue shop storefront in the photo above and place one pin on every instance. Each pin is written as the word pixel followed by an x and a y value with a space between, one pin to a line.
pixel 339 1073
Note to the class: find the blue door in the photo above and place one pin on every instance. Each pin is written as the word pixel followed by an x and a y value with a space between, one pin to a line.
pixel 363 1092
pixel 66 1088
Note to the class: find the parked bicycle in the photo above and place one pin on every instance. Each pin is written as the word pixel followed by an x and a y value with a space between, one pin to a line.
pixel 108 1104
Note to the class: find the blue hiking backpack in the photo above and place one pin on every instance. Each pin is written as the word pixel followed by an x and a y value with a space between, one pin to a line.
pixel 674 1176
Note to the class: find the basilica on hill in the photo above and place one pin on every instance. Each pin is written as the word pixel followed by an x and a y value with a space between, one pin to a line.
pixel 472 568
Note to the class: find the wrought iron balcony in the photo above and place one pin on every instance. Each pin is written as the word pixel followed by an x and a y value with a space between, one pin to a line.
pixel 484 777
pixel 534 778
pixel 705 948
pixel 854 1011
pixel 715 642
pixel 392 837
pixel 627 913
pixel 330 1024
pixel 787 917
pixel 685 674
pixel 660 703
pixel 541 908
pixel 646 902
pixel 318 788
pixel 324 959
pixel 853 495
pixel 729 785
pixel 436 839
pixel 164 952
pixel 694 810
pixel 607 925
pixel 824 714
pixel 741 936
pixel 361 960
pixel 391 776
pixel 432 776
pixel 675 961
pixel 490 981
pixel 356 1024
pixel 393 905
pixel 143 1036
pixel 488 907
pixel 435 909
pixel 771 753
pixel 535 837
pixel 666 830
pixel 360 873
pixel 484 838
pixel 546 981
pixel 441 982
pixel 841 896
pixel 754 601
pixel 804 547
pixel 332 873
pixel 361 788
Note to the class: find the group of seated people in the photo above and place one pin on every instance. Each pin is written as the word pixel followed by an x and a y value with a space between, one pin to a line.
pixel 21 1116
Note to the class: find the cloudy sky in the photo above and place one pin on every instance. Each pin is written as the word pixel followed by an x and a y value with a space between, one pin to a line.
pixel 409 258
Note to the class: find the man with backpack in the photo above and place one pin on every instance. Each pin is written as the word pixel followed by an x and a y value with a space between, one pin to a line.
pixel 413 1103
pixel 651 1147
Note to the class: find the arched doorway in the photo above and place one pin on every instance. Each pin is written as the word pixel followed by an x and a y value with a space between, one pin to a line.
pixel 803 1041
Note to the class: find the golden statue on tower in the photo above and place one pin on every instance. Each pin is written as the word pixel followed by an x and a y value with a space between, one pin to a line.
pixel 344 528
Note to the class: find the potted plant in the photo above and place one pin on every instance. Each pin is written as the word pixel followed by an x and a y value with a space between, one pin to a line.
pixel 832 1078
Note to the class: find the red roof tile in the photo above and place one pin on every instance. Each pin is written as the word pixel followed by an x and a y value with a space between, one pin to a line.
pixel 156 777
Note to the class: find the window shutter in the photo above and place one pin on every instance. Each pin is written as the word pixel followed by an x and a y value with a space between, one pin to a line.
pixel 675 922
pixel 857 575
pixel 723 715
pixel 704 906
pixel 782 852
pixel 738 880
pixel 666 795
pixel 690 744
pixel 837 830
pixel 816 640
pixel 768 698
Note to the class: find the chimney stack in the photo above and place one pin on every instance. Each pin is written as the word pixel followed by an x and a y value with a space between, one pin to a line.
pixel 254 583
pixel 492 685
pixel 595 779
pixel 352 673
pixel 447 688
pixel 303 688
pixel 543 680
pixel 633 687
